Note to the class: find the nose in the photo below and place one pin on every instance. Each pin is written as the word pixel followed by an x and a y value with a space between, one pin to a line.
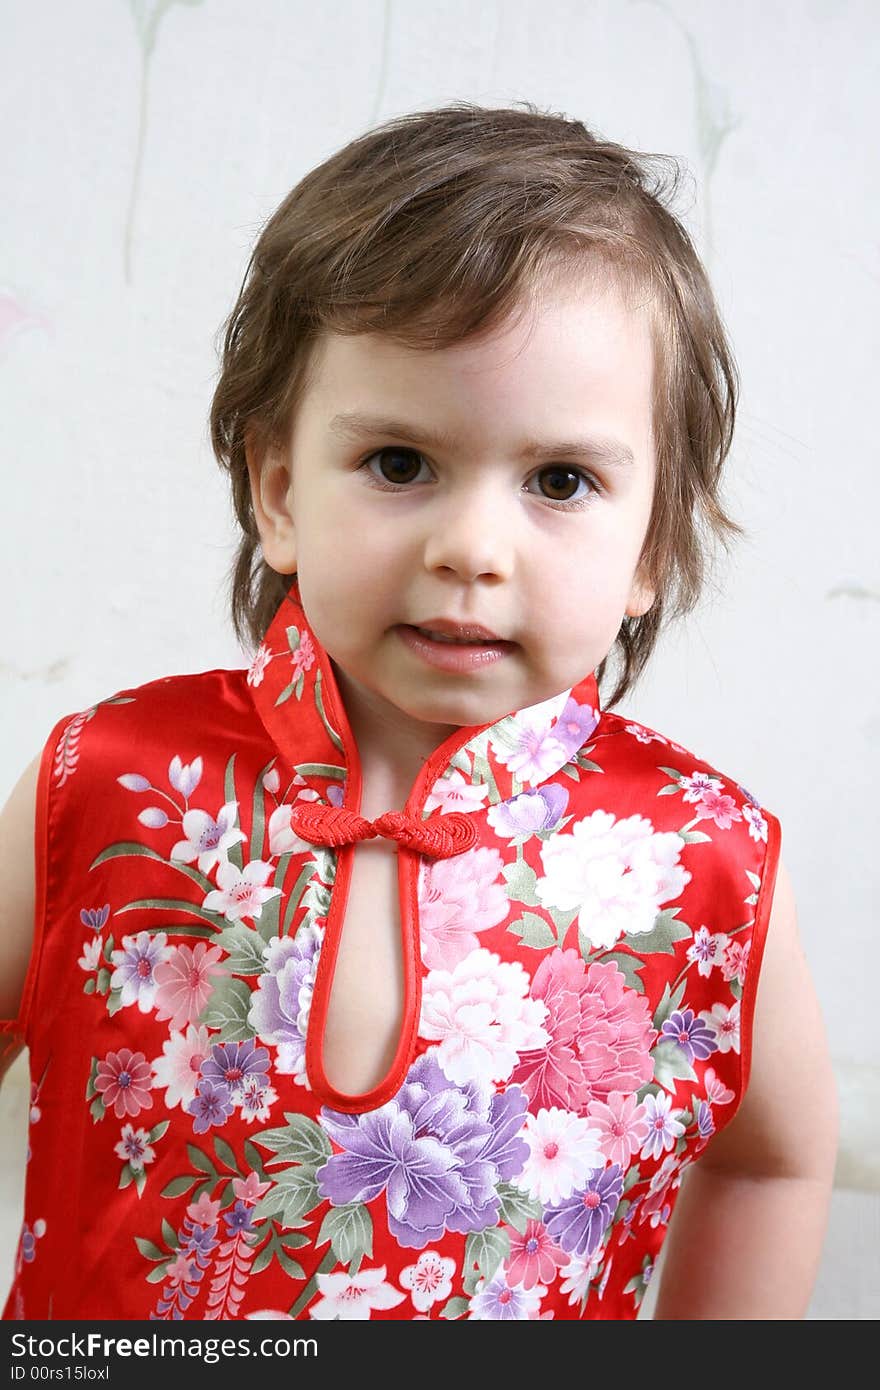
pixel 472 535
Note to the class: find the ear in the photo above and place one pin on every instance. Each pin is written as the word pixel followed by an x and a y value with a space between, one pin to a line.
pixel 641 596
pixel 269 473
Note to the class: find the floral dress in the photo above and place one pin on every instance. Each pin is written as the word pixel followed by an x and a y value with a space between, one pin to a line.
pixel 583 909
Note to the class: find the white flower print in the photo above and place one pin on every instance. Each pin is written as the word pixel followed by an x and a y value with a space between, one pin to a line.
pixel 91 956
pixel 563 1149
pixel 349 1297
pixel 708 949
pixel 178 1067
pixel 456 793
pixel 725 1022
pixel 618 873
pixel 525 745
pixel 208 840
pixel 756 822
pixel 482 1016
pixel 282 838
pixel 429 1280
pixel 241 892
pixel 185 777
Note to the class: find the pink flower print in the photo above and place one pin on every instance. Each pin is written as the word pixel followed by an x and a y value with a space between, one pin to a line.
pixel 698 784
pixel 249 1190
pixel 257 668
pixel 134 1148
pixel 458 898
pixel 208 840
pixel 123 1081
pixel 644 735
pixel 756 822
pixel 716 1091
pixel 303 658
pixel 622 1124
pixel 736 962
pixel 456 793
pixel 525 744
pixel 600 1035
pixel 656 1207
pixel 178 1271
pixel 184 982
pixel 241 892
pixel 663 1127
pixel 723 810
pixel 204 1212
pixel 429 1280
pixel 707 949
pixel 534 1258
pixel 725 1022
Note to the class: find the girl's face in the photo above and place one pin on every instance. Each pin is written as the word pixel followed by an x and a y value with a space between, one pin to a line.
pixel 451 510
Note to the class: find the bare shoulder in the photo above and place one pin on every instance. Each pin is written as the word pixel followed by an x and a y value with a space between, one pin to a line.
pixel 17 877
pixel 786 1124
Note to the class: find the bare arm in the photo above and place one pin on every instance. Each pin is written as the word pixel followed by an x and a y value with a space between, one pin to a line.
pixel 17 900
pixel 746 1236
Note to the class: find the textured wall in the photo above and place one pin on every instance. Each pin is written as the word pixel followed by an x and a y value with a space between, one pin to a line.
pixel 145 141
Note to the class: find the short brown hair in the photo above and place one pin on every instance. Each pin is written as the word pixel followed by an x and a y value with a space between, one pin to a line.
pixel 441 224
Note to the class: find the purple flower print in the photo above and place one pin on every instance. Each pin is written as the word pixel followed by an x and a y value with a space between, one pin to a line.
pixel 211 1105
pixel 280 1004
pixel 135 965
pixel 437 1151
pixel 705 1120
pixel 234 1063
pixel 574 725
pixel 239 1219
pixel 579 1222
pixel 690 1033
pixel 530 811
pixel 95 917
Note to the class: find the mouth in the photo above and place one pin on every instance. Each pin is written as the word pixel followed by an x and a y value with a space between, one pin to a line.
pixel 459 634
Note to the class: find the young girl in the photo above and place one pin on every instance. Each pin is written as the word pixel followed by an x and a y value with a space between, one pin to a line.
pixel 397 976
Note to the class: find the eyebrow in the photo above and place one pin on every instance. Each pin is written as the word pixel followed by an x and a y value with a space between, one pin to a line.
pixel 354 424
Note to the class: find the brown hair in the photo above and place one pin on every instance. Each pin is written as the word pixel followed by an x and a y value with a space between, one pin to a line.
pixel 442 224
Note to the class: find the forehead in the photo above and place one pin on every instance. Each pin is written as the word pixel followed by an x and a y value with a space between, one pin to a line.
pixel 575 358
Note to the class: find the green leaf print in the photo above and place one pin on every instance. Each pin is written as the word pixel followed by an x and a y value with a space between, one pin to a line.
pixel 668 1003
pixel 486 1250
pixel 226 1155
pixel 296 893
pixel 629 966
pixel 149 1250
pixel 245 948
pixel 517 1207
pixel 214 919
pixel 131 848
pixel 294 1194
pixel 695 837
pixel 350 1232
pixel 234 852
pixel 671 1064
pixel 455 1308
pixel 258 814
pixel 521 879
pixel 302 1141
pixel 228 1009
pixel 533 931
pixel 319 705
pixel 666 931
pixel 177 1187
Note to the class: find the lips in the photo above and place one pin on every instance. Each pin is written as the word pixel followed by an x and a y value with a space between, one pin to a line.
pixel 444 629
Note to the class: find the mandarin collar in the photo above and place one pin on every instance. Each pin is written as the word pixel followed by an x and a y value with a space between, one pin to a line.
pixel 298 699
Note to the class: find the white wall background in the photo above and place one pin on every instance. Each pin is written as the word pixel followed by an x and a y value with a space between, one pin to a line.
pixel 145 141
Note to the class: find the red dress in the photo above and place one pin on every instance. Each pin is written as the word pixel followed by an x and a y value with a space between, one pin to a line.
pixel 583 913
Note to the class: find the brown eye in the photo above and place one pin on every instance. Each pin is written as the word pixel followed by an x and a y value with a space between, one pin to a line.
pixel 562 483
pixel 397 465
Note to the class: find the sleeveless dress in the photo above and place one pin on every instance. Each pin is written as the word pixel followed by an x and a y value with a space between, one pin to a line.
pixel 583 913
